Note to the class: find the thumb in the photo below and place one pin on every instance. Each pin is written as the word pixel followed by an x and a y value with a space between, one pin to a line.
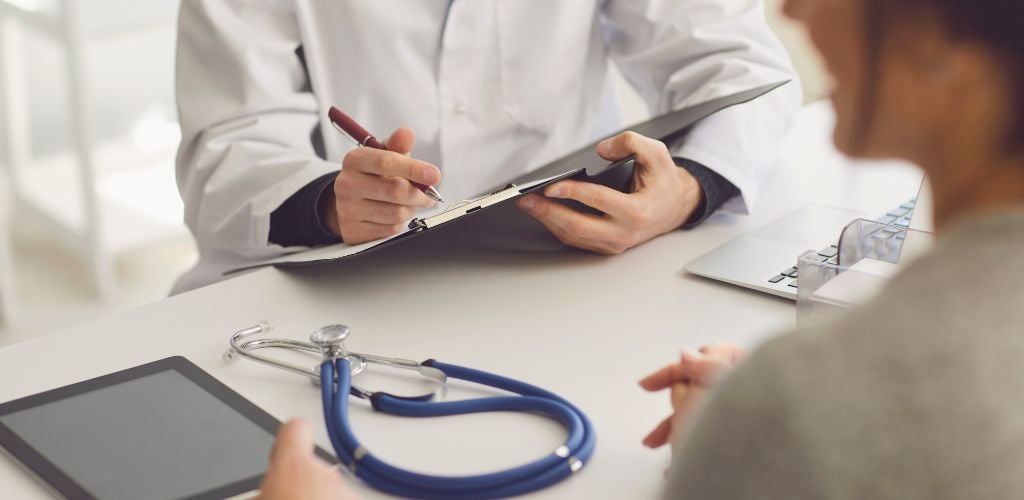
pixel 293 439
pixel 651 155
pixel 401 141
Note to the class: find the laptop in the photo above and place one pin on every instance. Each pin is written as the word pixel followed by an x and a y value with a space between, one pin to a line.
pixel 765 260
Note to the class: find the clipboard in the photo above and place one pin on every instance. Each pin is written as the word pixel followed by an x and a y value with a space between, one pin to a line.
pixel 583 164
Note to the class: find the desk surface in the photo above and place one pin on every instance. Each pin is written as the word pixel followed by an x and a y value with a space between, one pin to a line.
pixel 585 326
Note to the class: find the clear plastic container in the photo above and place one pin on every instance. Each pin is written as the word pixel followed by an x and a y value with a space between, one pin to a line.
pixel 870 254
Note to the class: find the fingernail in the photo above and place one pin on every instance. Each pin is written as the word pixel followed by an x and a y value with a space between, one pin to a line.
pixel 554 192
pixel 691 354
pixel 527 202
pixel 604 147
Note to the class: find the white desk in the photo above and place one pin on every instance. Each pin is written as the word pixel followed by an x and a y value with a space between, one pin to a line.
pixel 584 326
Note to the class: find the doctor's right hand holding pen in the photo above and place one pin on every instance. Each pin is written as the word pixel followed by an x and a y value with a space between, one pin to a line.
pixel 374 196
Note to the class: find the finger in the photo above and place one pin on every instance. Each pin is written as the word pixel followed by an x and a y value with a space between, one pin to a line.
pixel 390 163
pixel 712 367
pixel 665 378
pixel 649 152
pixel 603 198
pixel 718 358
pixel 293 439
pixel 573 228
pixel 358 186
pixel 659 436
pixel 738 354
pixel 689 355
pixel 690 399
pixel 728 351
pixel 704 367
pixel 678 394
pixel 401 141
pixel 684 409
pixel 379 212
pixel 685 371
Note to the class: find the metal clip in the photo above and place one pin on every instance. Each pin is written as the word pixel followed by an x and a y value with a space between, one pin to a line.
pixel 465 208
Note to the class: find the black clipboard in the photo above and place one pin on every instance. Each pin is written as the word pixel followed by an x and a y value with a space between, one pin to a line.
pixel 582 164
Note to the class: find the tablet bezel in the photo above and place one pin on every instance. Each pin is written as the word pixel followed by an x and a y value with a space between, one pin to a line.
pixel 61 483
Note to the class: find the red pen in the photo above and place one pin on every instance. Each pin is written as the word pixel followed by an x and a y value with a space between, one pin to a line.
pixel 348 126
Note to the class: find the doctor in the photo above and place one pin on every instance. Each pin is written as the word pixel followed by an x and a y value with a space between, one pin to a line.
pixel 471 93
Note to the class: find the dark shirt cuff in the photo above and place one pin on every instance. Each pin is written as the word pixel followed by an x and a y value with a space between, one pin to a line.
pixel 716 190
pixel 297 221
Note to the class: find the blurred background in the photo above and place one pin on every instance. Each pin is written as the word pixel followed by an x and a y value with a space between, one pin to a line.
pixel 90 218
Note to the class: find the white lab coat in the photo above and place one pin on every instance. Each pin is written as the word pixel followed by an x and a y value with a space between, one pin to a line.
pixel 502 86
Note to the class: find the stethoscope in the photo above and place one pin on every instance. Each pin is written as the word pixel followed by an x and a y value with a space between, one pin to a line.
pixel 334 376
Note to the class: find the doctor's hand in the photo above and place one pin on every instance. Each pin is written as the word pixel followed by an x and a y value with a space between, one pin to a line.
pixel 662 199
pixel 688 382
pixel 372 196
pixel 295 473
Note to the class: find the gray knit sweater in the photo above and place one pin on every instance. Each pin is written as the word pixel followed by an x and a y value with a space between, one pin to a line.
pixel 918 395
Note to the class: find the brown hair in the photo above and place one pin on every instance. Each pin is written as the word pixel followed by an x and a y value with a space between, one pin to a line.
pixel 997 25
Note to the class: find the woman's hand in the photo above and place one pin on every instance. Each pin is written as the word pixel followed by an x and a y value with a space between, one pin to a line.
pixel 688 382
pixel 295 473
pixel 663 198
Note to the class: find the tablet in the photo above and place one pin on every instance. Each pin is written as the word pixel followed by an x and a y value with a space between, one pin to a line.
pixel 165 429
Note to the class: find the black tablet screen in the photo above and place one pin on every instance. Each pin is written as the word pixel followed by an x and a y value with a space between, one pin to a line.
pixel 158 436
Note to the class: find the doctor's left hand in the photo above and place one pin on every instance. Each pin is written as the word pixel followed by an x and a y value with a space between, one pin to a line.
pixel 663 198
pixel 296 473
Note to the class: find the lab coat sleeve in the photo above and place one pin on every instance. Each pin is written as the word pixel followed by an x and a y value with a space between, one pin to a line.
pixel 682 52
pixel 247 114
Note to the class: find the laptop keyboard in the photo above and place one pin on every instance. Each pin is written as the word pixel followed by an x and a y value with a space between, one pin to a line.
pixel 899 217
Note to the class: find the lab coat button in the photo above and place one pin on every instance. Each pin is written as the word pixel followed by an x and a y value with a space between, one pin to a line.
pixel 460 108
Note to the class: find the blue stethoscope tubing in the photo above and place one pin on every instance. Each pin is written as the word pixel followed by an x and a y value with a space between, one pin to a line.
pixel 577 450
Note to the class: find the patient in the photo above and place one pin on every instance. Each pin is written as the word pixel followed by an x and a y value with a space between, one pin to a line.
pixel 918 394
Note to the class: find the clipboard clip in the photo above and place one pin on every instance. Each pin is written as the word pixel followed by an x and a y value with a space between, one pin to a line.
pixel 465 207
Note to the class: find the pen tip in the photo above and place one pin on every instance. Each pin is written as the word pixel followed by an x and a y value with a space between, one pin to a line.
pixel 434 194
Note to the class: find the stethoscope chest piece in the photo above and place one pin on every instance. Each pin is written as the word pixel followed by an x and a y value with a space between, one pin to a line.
pixel 331 340
pixel 327 343
pixel 330 335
